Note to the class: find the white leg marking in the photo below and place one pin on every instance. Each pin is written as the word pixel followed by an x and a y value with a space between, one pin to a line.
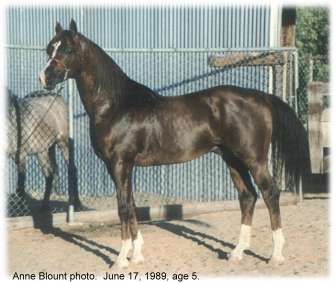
pixel 122 260
pixel 137 245
pixel 278 243
pixel 244 243
pixel 42 74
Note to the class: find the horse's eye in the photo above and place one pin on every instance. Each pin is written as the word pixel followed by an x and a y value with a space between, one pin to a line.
pixel 67 50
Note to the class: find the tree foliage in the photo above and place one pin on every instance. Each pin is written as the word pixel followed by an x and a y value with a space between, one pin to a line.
pixel 312 31
pixel 312 39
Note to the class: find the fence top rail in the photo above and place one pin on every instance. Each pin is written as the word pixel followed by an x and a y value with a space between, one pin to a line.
pixel 168 50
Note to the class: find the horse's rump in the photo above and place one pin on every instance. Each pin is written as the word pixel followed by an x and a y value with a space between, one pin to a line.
pixel 36 121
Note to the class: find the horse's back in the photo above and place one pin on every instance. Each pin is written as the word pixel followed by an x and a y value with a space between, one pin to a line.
pixel 40 119
pixel 47 112
pixel 184 127
pixel 218 104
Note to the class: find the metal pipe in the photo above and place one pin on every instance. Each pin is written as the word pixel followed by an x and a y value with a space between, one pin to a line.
pixel 179 50
pixel 300 190
pixel 71 176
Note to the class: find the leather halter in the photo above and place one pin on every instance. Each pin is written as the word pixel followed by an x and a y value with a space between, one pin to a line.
pixel 64 66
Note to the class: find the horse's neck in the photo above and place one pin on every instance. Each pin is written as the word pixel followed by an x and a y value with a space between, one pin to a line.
pixel 101 84
pixel 93 96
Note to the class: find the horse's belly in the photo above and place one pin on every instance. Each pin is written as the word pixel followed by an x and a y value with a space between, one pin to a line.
pixel 178 141
pixel 161 157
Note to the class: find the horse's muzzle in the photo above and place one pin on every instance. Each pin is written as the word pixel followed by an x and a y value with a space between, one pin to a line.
pixel 42 79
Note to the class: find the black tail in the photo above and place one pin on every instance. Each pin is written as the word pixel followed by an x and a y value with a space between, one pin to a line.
pixel 290 140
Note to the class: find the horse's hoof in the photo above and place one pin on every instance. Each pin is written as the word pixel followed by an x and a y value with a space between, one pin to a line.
pixel 137 259
pixel 277 260
pixel 121 263
pixel 235 258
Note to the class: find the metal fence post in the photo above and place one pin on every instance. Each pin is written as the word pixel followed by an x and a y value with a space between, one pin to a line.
pixel 300 190
pixel 311 68
pixel 294 66
pixel 72 170
pixel 296 86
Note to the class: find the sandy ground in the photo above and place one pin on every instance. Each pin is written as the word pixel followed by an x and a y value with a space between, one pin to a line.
pixel 199 244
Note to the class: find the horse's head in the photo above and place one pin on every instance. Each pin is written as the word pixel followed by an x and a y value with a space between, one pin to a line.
pixel 64 58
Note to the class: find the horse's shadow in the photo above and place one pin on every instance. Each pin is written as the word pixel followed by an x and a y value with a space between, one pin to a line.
pixel 44 222
pixel 25 205
pixel 200 238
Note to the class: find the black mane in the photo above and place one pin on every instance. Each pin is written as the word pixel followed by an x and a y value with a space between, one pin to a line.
pixel 112 78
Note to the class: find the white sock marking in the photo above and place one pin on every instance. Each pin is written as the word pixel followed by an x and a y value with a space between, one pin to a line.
pixel 278 243
pixel 244 242
pixel 126 246
pixel 137 245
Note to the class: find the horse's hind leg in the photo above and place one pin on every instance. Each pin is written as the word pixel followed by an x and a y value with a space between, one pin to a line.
pixel 21 167
pixel 47 161
pixel 64 146
pixel 271 195
pixel 67 151
pixel 247 199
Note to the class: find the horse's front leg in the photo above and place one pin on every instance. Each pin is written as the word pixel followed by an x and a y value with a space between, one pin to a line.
pixel 66 146
pixel 121 173
pixel 137 256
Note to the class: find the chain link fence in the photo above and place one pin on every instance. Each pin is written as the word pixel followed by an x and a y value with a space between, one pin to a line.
pixel 38 135
pixel 168 72
pixel 311 68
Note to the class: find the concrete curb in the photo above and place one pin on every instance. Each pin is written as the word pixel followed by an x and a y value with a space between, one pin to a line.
pixel 164 212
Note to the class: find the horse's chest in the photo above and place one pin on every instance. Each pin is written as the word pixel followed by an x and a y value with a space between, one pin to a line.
pixel 98 142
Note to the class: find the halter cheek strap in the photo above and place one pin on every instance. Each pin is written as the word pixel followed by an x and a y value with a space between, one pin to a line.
pixel 66 74
pixel 65 67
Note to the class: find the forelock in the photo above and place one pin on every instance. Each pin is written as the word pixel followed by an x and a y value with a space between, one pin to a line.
pixel 50 46
pixel 64 36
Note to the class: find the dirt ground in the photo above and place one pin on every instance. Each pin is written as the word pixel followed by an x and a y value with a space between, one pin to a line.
pixel 198 244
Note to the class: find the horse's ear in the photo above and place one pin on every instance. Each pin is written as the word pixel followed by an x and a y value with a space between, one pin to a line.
pixel 58 28
pixel 73 26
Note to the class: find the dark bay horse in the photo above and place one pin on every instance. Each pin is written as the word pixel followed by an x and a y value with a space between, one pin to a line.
pixel 131 125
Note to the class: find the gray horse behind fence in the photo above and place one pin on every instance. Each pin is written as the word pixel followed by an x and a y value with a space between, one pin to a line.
pixel 36 124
